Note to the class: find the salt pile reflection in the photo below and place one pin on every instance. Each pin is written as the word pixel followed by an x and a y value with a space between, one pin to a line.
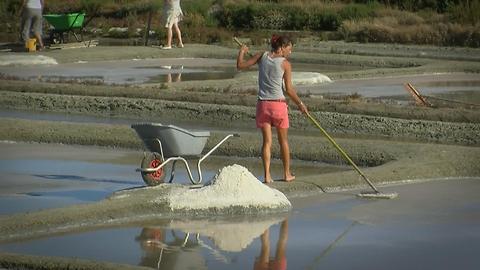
pixel 180 244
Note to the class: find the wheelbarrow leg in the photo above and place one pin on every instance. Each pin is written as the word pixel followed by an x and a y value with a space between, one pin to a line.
pixel 208 154
pixel 172 174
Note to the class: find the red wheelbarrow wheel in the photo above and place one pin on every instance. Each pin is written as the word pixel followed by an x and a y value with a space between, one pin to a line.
pixel 153 178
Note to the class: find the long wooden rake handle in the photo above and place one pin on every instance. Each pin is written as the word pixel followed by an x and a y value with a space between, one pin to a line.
pixel 240 44
pixel 342 152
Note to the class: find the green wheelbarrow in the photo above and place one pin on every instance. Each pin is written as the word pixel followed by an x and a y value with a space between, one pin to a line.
pixel 63 24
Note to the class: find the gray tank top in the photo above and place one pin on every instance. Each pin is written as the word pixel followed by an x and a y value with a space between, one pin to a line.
pixel 270 78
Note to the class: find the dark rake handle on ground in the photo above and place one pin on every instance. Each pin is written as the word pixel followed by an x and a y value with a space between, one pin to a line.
pixel 343 153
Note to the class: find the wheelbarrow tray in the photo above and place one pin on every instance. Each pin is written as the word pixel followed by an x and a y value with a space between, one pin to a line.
pixel 175 141
pixel 65 22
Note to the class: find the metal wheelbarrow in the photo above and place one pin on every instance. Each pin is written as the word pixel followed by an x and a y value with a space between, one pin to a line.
pixel 64 23
pixel 169 143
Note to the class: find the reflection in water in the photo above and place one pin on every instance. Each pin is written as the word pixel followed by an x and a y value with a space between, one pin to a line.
pixel 181 245
pixel 173 76
pixel 279 261
pixel 330 247
pixel 163 251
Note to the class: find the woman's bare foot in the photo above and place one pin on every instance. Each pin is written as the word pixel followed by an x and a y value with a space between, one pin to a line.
pixel 268 180
pixel 289 178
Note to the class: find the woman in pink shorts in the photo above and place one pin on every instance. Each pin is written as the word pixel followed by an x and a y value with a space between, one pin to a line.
pixel 274 79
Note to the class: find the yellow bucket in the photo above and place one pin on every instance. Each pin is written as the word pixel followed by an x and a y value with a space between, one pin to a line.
pixel 31 44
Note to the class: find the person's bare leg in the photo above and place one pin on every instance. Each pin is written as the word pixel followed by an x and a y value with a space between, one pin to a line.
pixel 265 251
pixel 39 39
pixel 282 240
pixel 266 152
pixel 169 37
pixel 285 153
pixel 179 35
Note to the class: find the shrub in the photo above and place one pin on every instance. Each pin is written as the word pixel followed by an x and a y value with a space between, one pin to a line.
pixel 297 18
pixel 288 16
pixel 460 35
pixel 200 9
pixel 272 19
pixel 402 17
pixel 425 34
pixel 327 20
pixel 236 16
pixel 206 35
pixel 465 12
pixel 193 20
pixel 357 11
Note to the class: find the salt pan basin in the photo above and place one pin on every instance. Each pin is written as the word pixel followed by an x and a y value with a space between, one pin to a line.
pixel 233 190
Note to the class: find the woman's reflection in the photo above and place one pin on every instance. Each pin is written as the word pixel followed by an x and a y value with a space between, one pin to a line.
pixel 175 75
pixel 280 260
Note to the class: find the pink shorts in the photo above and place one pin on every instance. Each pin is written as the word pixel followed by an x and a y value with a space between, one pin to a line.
pixel 274 113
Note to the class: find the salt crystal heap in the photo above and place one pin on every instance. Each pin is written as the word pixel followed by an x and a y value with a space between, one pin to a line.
pixel 309 78
pixel 234 187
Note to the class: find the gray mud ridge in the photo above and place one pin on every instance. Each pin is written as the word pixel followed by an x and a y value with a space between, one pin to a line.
pixel 242 116
pixel 247 145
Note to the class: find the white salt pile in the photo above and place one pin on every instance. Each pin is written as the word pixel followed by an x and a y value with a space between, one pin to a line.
pixel 233 186
pixel 309 78
pixel 9 59
pixel 298 78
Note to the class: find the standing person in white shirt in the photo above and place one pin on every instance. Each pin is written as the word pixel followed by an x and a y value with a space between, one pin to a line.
pixel 172 14
pixel 32 20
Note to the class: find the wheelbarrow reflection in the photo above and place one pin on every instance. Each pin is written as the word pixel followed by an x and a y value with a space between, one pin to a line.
pixel 183 242
pixel 175 251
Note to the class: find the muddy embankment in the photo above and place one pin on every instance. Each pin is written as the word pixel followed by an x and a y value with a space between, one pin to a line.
pixel 208 108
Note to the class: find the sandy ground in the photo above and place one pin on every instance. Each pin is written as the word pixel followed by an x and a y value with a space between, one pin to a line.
pixel 399 148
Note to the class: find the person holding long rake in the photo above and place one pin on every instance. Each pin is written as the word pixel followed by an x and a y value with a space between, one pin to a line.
pixel 274 79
